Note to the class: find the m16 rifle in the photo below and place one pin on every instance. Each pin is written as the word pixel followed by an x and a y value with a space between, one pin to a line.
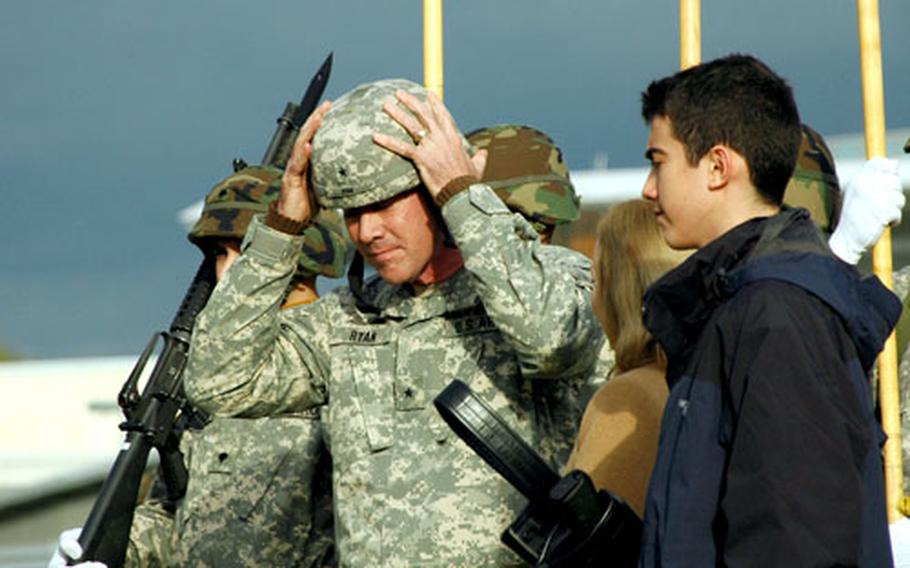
pixel 150 423
pixel 293 117
pixel 157 417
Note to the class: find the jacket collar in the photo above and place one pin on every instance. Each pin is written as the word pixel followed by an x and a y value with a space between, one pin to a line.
pixel 678 305
pixel 786 247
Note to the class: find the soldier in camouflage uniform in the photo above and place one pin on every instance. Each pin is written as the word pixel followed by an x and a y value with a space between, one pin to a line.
pixel 853 218
pixel 465 289
pixel 259 491
pixel 814 184
pixel 902 334
pixel 527 171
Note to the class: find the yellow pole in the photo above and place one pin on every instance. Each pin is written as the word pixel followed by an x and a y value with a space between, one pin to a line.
pixel 432 45
pixel 689 33
pixel 870 53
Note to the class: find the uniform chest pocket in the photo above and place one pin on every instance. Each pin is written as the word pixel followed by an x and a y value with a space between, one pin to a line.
pixel 233 463
pixel 477 346
pixel 361 391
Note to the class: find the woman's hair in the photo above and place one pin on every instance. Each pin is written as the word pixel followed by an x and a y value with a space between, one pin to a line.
pixel 629 255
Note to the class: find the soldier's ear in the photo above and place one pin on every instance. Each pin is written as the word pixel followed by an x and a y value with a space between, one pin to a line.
pixel 546 235
pixel 479 159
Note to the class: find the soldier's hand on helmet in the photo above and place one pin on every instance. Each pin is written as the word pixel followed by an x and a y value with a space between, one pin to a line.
pixel 68 547
pixel 873 200
pixel 297 202
pixel 437 150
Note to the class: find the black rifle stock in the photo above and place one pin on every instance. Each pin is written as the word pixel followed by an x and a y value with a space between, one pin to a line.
pixel 150 420
pixel 157 417
pixel 567 521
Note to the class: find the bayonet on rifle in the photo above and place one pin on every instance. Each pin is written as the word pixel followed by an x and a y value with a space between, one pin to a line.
pixel 294 115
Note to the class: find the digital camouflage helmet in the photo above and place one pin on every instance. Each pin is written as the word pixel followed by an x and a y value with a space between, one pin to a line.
pixel 348 169
pixel 814 185
pixel 527 171
pixel 233 202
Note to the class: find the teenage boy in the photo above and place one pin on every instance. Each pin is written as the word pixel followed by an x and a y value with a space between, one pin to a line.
pixel 769 446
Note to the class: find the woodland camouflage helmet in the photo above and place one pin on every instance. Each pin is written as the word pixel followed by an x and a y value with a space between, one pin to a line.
pixel 348 169
pixel 326 246
pixel 527 171
pixel 232 203
pixel 814 185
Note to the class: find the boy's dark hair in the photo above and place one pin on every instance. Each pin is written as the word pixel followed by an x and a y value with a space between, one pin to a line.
pixel 737 101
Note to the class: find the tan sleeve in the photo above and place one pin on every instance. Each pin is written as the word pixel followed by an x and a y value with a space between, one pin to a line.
pixel 617 439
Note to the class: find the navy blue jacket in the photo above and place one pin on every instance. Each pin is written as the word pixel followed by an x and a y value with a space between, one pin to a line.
pixel 769 449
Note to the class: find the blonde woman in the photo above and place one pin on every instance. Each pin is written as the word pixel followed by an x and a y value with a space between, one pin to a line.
pixel 617 439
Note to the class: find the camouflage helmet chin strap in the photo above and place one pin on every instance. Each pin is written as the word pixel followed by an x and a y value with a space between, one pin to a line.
pixel 231 204
pixel 527 171
pixel 355 284
pixel 814 184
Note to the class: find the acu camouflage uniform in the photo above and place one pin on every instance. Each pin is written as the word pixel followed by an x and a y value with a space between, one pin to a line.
pixel 407 491
pixel 901 279
pixel 902 330
pixel 528 172
pixel 259 491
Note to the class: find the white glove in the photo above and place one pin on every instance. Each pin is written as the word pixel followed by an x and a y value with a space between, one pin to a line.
pixel 873 200
pixel 68 547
